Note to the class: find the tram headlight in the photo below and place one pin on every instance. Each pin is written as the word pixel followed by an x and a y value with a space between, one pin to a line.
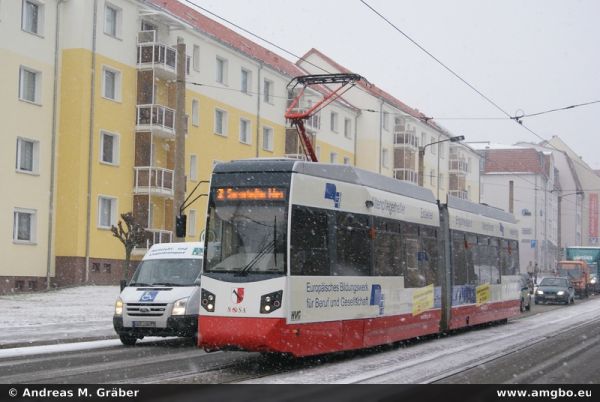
pixel 270 302
pixel 179 306
pixel 119 307
pixel 207 300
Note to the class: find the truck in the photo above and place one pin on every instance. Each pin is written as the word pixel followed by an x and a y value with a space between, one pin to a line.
pixel 163 296
pixel 591 255
pixel 578 272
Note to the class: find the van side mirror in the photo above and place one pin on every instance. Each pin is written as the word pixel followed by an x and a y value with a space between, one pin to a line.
pixel 123 284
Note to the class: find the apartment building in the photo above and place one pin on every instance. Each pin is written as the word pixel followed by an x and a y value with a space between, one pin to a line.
pixel 27 73
pixel 524 182
pixel 90 90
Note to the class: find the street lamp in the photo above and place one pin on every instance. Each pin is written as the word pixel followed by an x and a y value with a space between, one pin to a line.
pixel 422 160
pixel 559 217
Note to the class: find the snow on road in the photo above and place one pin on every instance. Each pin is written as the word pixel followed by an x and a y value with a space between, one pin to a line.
pixel 57 315
pixel 430 360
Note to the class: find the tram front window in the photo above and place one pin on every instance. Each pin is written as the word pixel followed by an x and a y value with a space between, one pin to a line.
pixel 246 238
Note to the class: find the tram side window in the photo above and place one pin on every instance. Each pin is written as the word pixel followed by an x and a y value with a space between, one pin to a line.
pixel 309 252
pixel 504 258
pixel 353 257
pixel 485 257
pixel 459 258
pixel 471 258
pixel 514 257
pixel 412 277
pixel 388 244
pixel 428 255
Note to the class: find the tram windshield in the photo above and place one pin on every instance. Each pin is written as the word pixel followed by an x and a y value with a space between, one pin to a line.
pixel 246 237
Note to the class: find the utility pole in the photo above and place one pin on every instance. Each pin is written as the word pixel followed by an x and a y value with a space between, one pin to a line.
pixel 179 179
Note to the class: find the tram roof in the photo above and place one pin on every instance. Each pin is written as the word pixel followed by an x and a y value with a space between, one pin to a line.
pixel 480 209
pixel 344 173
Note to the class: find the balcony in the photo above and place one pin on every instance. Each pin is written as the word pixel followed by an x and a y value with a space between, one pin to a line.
pixel 153 236
pixel 458 166
pixel 410 175
pixel 156 56
pixel 153 181
pixel 159 120
pixel 405 138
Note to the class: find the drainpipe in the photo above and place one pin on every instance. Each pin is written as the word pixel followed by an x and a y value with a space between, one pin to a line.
pixel 380 132
pixel 356 135
pixel 88 222
pixel 53 147
pixel 260 67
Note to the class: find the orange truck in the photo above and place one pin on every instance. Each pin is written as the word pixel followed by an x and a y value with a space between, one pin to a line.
pixel 579 274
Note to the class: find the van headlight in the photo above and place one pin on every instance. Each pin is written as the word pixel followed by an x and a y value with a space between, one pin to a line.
pixel 540 292
pixel 560 293
pixel 593 281
pixel 119 307
pixel 179 306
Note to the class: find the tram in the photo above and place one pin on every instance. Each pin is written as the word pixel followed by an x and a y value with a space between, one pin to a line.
pixel 307 258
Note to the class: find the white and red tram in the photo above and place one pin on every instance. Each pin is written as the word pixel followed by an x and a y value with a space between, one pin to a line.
pixel 308 258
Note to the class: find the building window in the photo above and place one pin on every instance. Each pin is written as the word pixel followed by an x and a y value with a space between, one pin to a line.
pixel 221 71
pixel 109 148
pixel 195 112
pixel 29 85
pixel 245 131
pixel 220 122
pixel 192 223
pixel 95 267
pixel 107 212
pixel 24 226
pixel 332 157
pixel 246 79
pixel 385 158
pixel 196 57
pixel 267 139
pixel 107 267
pixel 433 148
pixel 112 20
pixel 193 167
pixel 268 91
pixel 346 160
pixel 347 128
pixel 111 84
pixel 32 17
pixel 431 177
pixel 27 156
pixel 441 150
pixel 386 120
pixel 334 122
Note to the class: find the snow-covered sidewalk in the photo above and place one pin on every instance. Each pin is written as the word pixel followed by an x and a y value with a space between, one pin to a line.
pixel 66 315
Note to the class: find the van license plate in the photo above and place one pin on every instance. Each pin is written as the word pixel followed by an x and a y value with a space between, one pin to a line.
pixel 144 324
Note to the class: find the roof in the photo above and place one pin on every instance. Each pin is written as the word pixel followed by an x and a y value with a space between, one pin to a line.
pixel 374 90
pixel 227 36
pixel 230 38
pixel 526 160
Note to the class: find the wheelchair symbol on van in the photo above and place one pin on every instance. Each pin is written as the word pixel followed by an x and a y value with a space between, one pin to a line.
pixel 149 296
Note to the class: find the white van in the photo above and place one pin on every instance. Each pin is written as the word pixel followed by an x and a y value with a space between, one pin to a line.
pixel 163 296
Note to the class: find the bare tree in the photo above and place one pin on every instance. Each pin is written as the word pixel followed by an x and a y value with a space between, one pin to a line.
pixel 131 236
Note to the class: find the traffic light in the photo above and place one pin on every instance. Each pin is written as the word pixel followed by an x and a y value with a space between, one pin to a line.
pixel 180 225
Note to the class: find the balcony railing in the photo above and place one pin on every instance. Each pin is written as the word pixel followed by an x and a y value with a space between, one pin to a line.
pixel 458 166
pixel 154 55
pixel 459 194
pixel 406 139
pixel 160 120
pixel 154 181
pixel 156 236
pixel 406 175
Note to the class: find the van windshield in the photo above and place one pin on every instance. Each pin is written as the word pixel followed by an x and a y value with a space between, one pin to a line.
pixel 570 271
pixel 171 272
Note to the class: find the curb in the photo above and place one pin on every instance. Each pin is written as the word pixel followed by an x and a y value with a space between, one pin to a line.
pixel 56 341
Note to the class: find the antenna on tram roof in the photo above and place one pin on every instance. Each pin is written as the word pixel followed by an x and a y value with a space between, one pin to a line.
pixel 297 115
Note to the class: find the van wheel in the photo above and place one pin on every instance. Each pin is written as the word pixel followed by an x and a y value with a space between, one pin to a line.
pixel 127 340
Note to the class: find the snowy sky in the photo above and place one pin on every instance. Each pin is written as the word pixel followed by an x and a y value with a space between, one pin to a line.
pixel 526 56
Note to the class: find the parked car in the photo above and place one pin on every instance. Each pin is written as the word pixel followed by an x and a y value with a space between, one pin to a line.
pixel 526 283
pixel 556 290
